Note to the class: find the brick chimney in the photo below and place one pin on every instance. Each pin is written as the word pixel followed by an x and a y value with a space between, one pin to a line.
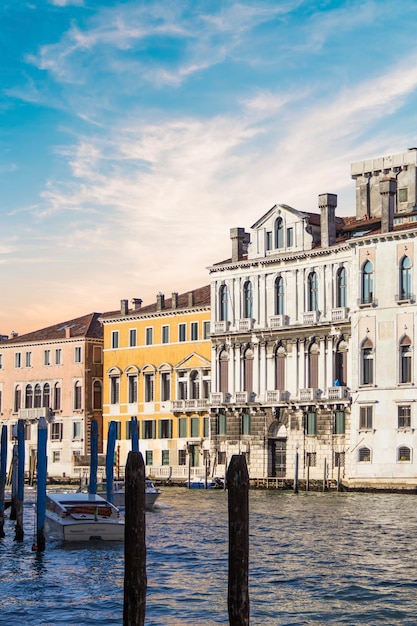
pixel 327 206
pixel 67 332
pixel 124 307
pixel 160 301
pixel 191 299
pixel 174 300
pixel 240 240
pixel 137 303
pixel 388 191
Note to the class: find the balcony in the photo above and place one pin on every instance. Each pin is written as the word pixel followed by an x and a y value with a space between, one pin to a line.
pixel 277 396
pixel 278 321
pixel 221 327
pixel 311 317
pixel 218 398
pixel 341 314
pixel 243 397
pixel 245 324
pixel 405 298
pixel 337 393
pixel 310 394
pixel 34 414
pixel 367 302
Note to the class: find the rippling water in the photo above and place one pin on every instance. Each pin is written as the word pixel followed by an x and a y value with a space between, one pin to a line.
pixel 315 558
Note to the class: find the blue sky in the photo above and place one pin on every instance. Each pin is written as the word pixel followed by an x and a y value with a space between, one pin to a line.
pixel 134 135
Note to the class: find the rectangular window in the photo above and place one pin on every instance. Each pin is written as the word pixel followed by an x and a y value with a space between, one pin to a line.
pixel 28 432
pixel 98 354
pixel 339 423
pixel 77 396
pixel 28 359
pixel 115 339
pixel 1 361
pixel 165 386
pixel 18 359
pixel 246 424
pixel 182 457
pixel 57 398
pixel 149 336
pixel 148 429
pixel 206 330
pixel 149 457
pixel 311 423
pixel 339 459
pixel 221 457
pixel 194 331
pixel 182 427
pixel 114 389
pixel 76 430
pixel 290 237
pixel 118 430
pixel 311 459
pixel 206 426
pixel 47 357
pixel 58 356
pixel 403 195
pixel 133 389
pixel 182 332
pixel 56 456
pixel 165 334
pixel 195 427
pixel 222 424
pixel 56 431
pixel 132 337
pixel 165 429
pixel 268 239
pixel 149 387
pixel 365 417
pixel 77 355
pixel 165 457
pixel 404 416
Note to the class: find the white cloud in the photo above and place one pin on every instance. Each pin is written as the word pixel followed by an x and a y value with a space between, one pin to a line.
pixel 65 3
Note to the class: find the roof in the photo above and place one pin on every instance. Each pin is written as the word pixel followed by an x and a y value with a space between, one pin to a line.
pixel 199 297
pixel 80 327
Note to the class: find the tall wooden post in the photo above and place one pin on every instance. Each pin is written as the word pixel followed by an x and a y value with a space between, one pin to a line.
pixel 325 475
pixel 111 445
pixel 338 473
pixel 41 472
pixel 238 499
pixel 189 467
pixel 135 580
pixel 14 464
pixel 134 433
pixel 3 475
pixel 308 473
pixel 296 471
pixel 92 488
pixel 20 479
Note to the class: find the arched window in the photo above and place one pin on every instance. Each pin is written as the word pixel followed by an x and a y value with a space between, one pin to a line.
pixel 367 283
pixel 247 299
pixel 367 354
pixel 279 233
pixel 77 396
pixel 405 278
pixel 28 397
pixel 223 303
pixel 46 395
pixel 280 360
pixel 57 397
pixel 403 453
pixel 97 399
pixel 313 366
pixel 248 370
pixel 279 296
pixel 341 287
pixel 223 371
pixel 405 360
pixel 17 399
pixel 340 363
pixel 313 292
pixel 38 397
pixel 194 385
pixel 364 455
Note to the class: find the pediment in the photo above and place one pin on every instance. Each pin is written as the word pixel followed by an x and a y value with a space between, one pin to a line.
pixel 278 209
pixel 193 360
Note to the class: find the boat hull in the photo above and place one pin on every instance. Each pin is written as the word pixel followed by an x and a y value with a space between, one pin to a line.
pixel 63 530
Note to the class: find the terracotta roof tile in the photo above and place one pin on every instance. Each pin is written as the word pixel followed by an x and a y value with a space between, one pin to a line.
pixel 81 327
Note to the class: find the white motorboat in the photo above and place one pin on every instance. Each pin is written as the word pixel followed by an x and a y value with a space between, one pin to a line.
pixel 82 517
pixel 152 493
pixel 202 483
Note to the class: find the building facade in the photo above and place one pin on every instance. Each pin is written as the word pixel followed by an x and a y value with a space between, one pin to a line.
pixel 57 373
pixel 157 369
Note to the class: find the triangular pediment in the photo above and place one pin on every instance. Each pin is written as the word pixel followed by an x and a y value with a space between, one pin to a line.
pixel 276 210
pixel 193 360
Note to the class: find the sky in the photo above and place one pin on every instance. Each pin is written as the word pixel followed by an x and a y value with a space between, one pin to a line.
pixel 135 134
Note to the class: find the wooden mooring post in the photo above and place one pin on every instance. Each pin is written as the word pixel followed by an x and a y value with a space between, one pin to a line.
pixel 238 500
pixel 20 480
pixel 3 475
pixel 135 580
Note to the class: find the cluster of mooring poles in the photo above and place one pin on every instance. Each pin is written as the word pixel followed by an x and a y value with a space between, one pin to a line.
pixel 325 481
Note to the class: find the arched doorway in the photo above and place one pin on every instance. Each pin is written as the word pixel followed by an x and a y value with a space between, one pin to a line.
pixel 277 451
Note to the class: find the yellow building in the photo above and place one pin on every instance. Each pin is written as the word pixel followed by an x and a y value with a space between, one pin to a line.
pixel 157 368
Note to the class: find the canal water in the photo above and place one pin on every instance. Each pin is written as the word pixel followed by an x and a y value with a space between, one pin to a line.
pixel 315 558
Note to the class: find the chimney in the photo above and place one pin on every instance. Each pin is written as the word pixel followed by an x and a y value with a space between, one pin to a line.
pixel 124 307
pixel 191 299
pixel 327 206
pixel 388 191
pixel 137 303
pixel 67 332
pixel 174 301
pixel 160 301
pixel 240 241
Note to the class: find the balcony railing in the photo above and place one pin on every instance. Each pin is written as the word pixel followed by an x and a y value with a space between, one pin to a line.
pixel 340 314
pixel 219 397
pixel 34 414
pixel 311 317
pixel 245 324
pixel 405 298
pixel 243 397
pixel 221 327
pixel 277 396
pixel 277 321
pixel 309 394
pixel 337 393
pixel 367 301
